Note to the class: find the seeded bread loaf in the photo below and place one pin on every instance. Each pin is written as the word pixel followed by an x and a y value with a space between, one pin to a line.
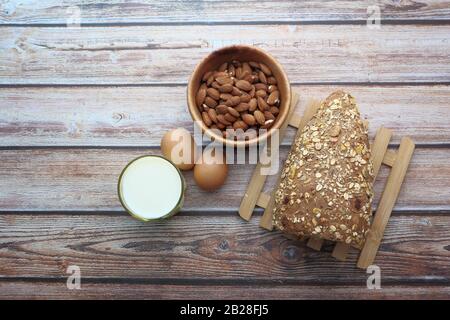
pixel 325 189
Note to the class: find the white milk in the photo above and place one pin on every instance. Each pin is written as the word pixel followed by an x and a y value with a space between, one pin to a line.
pixel 150 187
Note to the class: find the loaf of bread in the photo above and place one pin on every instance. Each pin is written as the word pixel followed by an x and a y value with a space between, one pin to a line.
pixel 325 189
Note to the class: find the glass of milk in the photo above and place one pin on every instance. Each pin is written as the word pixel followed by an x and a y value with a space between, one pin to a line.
pixel 151 188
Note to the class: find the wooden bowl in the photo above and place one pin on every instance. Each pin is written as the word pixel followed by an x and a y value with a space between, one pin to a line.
pixel 242 53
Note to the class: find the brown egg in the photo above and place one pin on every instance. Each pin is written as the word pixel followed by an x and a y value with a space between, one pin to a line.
pixel 210 174
pixel 178 146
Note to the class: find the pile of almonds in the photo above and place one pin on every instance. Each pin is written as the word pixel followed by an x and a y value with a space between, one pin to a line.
pixel 239 95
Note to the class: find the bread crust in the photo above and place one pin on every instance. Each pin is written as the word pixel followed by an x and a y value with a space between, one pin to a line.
pixel 326 189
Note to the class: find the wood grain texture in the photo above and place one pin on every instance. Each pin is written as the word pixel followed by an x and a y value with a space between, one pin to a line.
pixel 160 11
pixel 120 83
pixel 139 116
pixel 72 179
pixel 414 249
pixel 123 290
pixel 160 54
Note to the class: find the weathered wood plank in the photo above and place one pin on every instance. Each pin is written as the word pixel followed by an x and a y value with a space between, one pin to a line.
pixel 151 11
pixel 414 249
pixel 58 290
pixel 71 179
pixel 139 116
pixel 161 54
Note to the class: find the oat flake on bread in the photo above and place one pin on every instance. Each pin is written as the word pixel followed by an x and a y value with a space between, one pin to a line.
pixel 325 189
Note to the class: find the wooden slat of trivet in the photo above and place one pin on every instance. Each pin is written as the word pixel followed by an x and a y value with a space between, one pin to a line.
pixel 310 111
pixel 379 148
pixel 263 200
pixel 257 181
pixel 387 202
pixel 294 121
pixel 389 157
pixel 315 243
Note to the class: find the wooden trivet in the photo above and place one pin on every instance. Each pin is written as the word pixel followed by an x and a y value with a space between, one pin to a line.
pixel 397 160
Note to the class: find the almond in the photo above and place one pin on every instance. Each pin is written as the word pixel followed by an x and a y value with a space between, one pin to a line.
pixel 233 101
pixel 252 92
pixel 244 85
pixel 230 118
pixel 261 86
pixel 254 64
pixel 274 110
pixel 206 118
pixel 226 88
pixel 249 119
pixel 244 74
pixel 246 68
pixel 225 96
pixel 236 92
pixel 212 115
pixel 261 93
pixel 219 74
pixel 272 88
pixel 213 93
pixel 240 125
pixel 271 80
pixel 210 80
pixel 238 72
pixel 210 102
pixel 262 105
pixel 262 77
pixel 265 69
pixel 233 112
pixel 222 120
pixel 273 97
pixel 221 109
pixel 268 124
pixel 207 75
pixel 241 107
pixel 259 117
pixel 215 85
pixel 268 115
pixel 245 97
pixel 253 104
pixel 224 80
pixel 250 78
pixel 201 95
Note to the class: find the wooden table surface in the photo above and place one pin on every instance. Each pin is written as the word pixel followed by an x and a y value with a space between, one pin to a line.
pixel 78 103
